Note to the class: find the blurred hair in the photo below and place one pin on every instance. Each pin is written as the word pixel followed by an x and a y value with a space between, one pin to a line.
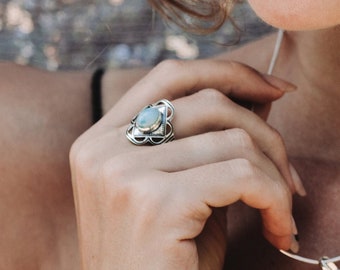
pixel 195 16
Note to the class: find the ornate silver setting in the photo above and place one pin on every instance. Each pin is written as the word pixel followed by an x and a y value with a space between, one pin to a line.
pixel 159 131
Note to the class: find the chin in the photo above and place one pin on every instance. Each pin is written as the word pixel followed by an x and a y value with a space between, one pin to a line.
pixel 298 15
pixel 297 26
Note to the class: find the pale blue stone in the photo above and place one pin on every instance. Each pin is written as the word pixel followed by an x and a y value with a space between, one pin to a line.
pixel 148 119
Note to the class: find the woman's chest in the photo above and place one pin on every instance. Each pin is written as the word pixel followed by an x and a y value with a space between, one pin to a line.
pixel 317 216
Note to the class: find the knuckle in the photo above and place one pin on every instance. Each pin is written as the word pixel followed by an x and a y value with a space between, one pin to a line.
pixel 74 151
pixel 275 137
pixel 146 196
pixel 243 140
pixel 247 169
pixel 115 169
pixel 170 65
pixel 276 145
pixel 253 177
pixel 116 178
pixel 211 138
pixel 260 190
pixel 213 101
pixel 210 96
pixel 120 175
pixel 237 67
pixel 234 65
pixel 283 192
pixel 82 160
pixel 141 194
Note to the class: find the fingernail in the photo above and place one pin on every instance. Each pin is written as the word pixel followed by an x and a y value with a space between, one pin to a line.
pixel 294 228
pixel 300 189
pixel 294 246
pixel 279 83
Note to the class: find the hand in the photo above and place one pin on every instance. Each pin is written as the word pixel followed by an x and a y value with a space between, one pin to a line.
pixel 162 207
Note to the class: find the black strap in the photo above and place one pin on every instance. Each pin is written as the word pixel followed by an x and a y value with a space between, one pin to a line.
pixel 96 94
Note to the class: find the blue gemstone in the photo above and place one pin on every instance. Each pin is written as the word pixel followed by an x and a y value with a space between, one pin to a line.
pixel 148 119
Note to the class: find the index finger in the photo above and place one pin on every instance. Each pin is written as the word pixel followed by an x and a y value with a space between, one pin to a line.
pixel 173 79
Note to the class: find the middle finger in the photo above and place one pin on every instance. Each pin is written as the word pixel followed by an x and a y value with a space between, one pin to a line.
pixel 209 110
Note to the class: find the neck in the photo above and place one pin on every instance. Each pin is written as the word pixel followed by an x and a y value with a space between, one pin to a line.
pixel 316 55
pixel 311 121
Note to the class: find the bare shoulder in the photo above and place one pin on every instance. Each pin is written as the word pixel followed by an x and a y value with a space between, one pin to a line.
pixel 256 54
pixel 41 114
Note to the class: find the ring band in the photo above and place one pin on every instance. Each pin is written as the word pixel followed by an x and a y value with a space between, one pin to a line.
pixel 152 124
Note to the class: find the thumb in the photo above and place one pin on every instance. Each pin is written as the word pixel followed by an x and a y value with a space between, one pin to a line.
pixel 260 89
pixel 263 110
pixel 278 83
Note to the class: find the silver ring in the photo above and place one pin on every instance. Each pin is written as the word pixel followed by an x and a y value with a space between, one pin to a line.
pixel 152 124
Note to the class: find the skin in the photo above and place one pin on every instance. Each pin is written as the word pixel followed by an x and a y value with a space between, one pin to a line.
pixel 306 147
pixel 45 158
pixel 121 178
pixel 298 15
pixel 51 210
pixel 316 161
pixel 37 206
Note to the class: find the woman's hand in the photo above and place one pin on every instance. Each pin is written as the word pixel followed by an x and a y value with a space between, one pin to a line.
pixel 163 207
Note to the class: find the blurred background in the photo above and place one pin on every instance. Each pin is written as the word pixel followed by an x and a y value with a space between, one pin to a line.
pixel 85 34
